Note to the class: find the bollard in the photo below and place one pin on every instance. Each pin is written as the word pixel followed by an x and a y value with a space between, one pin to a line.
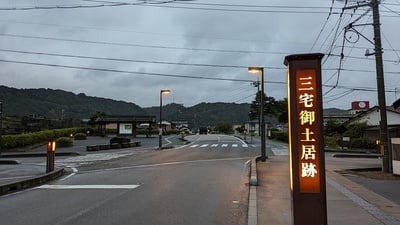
pixel 51 150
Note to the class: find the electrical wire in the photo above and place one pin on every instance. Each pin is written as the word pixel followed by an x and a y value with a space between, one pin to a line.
pixel 138 45
pixel 134 60
pixel 175 63
pixel 323 26
pixel 133 72
pixel 172 75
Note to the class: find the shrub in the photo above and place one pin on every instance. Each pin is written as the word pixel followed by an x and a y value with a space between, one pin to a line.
pixel 22 140
pixel 80 136
pixel 331 141
pixel 280 136
pixel 64 142
pixel 362 143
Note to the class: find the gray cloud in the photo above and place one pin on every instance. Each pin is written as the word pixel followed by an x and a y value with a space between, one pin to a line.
pixel 237 38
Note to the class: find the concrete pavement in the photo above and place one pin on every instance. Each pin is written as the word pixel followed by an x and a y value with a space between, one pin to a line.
pixel 347 201
pixel 17 173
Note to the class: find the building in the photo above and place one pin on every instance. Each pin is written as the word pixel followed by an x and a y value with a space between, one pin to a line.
pixel 372 118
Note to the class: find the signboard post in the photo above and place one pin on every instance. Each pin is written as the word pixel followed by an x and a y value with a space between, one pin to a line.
pixel 307 160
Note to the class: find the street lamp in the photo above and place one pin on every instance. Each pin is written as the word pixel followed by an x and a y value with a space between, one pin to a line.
pixel 1 123
pixel 163 91
pixel 260 70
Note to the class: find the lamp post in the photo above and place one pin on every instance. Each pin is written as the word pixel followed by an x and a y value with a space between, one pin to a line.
pixel 257 84
pixel 1 124
pixel 260 70
pixel 163 91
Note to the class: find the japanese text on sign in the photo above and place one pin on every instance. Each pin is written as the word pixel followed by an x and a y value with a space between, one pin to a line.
pixel 308 147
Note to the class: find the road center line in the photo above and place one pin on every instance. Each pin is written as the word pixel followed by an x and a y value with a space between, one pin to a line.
pixel 165 164
pixel 47 186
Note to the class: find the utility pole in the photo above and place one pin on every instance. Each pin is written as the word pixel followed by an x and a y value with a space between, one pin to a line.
pixel 384 139
pixel 384 145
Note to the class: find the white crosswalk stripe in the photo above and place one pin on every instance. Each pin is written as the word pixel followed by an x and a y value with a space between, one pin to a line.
pixel 224 145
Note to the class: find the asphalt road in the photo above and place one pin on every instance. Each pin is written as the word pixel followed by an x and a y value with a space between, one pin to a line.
pixel 203 182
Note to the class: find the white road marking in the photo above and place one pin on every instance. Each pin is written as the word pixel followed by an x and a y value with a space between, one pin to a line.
pixel 245 145
pixel 47 186
pixel 203 146
pixel 164 164
pixel 224 145
pixel 240 140
pixel 235 145
pixel 74 171
pixel 214 145
pixel 193 146
pixel 90 158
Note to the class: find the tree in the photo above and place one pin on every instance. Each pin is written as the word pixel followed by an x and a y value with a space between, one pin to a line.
pixel 95 115
pixel 355 130
pixel 224 127
pixel 331 126
pixel 282 109
pixel 270 106
pixel 240 129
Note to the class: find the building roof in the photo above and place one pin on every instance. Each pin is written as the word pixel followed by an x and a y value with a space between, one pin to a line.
pixel 125 119
pixel 375 108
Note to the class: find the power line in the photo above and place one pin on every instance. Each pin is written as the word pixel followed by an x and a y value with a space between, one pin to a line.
pixel 134 60
pixel 173 75
pixel 170 47
pixel 131 72
pixel 139 45
pixel 288 9
pixel 173 63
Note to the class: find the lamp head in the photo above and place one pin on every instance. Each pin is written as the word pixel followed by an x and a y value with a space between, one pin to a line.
pixel 255 69
pixel 165 91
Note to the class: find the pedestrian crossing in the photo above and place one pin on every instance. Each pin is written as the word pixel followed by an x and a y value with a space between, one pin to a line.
pixel 220 145
pixel 277 150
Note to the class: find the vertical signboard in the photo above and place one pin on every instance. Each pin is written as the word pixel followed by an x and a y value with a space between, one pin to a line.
pixel 307 161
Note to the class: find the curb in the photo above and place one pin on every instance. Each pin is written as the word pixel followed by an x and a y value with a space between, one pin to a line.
pixel 9 162
pixel 36 154
pixel 253 182
pixel 29 183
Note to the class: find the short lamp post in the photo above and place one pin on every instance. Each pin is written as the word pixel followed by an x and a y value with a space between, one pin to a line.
pixel 163 91
pixel 260 70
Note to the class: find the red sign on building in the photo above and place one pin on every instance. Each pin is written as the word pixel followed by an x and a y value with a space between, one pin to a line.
pixel 360 105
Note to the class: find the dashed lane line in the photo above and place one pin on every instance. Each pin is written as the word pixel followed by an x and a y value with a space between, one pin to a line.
pixel 48 186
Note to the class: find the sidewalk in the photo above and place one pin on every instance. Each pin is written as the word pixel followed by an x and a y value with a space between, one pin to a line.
pixel 347 202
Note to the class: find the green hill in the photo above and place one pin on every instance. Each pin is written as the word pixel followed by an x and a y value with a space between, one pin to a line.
pixel 57 103
pixel 204 114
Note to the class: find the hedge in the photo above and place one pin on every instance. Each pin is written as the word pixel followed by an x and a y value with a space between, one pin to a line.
pixel 280 136
pixel 80 136
pixel 23 140
pixel 64 142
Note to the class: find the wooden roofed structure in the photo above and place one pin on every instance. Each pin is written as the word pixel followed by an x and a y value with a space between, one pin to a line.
pixel 126 125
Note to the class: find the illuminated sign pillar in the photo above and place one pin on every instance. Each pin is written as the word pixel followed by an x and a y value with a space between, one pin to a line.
pixel 306 153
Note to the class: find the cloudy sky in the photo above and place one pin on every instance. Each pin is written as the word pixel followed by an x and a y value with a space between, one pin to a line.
pixel 130 49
